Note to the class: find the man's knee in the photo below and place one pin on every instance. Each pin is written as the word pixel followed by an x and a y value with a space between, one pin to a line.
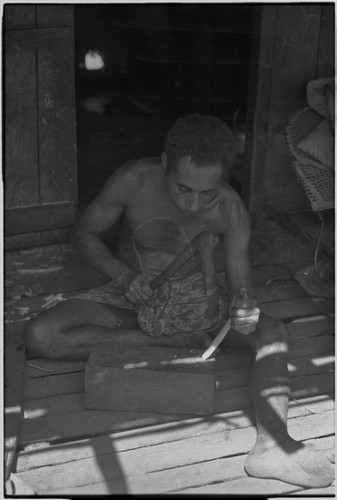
pixel 38 339
pixel 271 331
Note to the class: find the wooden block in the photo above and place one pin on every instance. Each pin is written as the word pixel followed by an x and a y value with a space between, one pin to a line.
pixel 165 380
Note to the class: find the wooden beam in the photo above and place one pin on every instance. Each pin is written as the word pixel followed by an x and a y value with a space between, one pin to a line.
pixel 258 106
pixel 38 238
pixel 54 15
pixel 36 218
pixel 19 17
pixel 38 39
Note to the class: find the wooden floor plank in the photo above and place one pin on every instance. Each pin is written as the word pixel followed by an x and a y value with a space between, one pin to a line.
pixel 301 366
pixel 312 385
pixel 254 486
pixel 157 453
pixel 226 378
pixel 62 395
pixel 230 358
pixel 315 364
pixel 176 479
pixel 49 269
pixel 243 486
pixel 49 384
pixel 26 307
pixel 227 420
pixel 164 481
pixel 317 326
pixel 44 455
pixel 230 395
pixel 311 346
pixel 301 387
pixel 53 385
pixel 66 426
pixel 39 367
pixel 144 485
pixel 53 410
pixel 273 282
pixel 303 306
pixel 316 492
pixel 115 464
pixel 47 426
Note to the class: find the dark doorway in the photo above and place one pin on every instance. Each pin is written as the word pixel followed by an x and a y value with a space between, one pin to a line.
pixel 155 63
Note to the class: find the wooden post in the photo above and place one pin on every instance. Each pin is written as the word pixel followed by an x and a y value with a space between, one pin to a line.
pixel 295 46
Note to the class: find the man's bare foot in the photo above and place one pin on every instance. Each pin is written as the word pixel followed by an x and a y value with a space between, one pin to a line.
pixel 298 464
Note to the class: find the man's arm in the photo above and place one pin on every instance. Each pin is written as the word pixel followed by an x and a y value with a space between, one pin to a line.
pixel 236 244
pixel 243 308
pixel 117 193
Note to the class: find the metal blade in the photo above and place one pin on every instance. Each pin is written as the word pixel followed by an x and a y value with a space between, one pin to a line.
pixel 218 339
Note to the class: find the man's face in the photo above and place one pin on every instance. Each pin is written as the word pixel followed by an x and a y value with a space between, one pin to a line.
pixel 193 188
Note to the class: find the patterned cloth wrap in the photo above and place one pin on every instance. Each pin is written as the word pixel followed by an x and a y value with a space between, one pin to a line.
pixel 180 307
pixel 177 306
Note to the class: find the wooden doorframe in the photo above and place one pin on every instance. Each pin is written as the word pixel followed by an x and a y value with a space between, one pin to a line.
pixel 40 197
pixel 293 45
pixel 259 95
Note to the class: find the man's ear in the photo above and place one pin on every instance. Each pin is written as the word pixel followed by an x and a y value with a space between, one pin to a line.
pixel 164 160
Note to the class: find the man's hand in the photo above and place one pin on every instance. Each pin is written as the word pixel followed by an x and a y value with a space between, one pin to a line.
pixel 137 288
pixel 244 313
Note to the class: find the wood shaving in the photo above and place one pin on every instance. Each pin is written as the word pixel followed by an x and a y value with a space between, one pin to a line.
pixel 313 412
pixel 53 300
pixel 43 369
pixel 277 278
pixel 22 310
pixel 40 271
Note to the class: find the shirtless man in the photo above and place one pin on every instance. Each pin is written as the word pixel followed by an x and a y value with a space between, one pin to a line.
pixel 167 202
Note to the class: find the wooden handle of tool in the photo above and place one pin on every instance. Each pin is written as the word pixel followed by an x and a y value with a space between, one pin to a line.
pixel 209 275
pixel 172 268
pixel 201 249
pixel 191 249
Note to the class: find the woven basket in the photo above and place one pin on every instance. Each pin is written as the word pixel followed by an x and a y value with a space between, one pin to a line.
pixel 318 182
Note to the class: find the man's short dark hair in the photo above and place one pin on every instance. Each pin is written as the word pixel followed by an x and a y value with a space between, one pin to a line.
pixel 207 140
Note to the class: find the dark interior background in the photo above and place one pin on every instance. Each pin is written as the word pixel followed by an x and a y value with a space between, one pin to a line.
pixel 160 62
pixel 249 64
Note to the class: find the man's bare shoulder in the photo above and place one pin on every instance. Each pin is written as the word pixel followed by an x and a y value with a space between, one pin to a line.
pixel 131 177
pixel 140 168
pixel 233 209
